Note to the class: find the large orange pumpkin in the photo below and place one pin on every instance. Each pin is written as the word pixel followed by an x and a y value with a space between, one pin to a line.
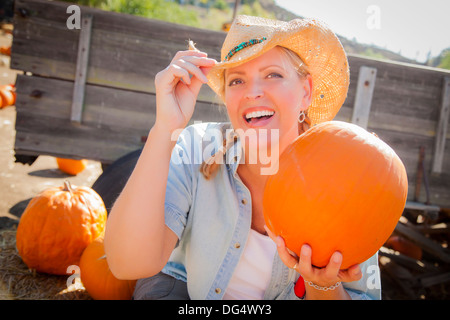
pixel 98 280
pixel 338 188
pixel 57 226
pixel 71 166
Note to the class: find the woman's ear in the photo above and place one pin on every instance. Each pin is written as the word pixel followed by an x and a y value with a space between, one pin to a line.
pixel 308 90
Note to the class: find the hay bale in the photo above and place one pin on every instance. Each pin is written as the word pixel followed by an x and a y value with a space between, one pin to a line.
pixel 22 283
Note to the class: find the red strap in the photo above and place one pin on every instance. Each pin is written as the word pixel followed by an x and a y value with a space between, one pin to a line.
pixel 299 288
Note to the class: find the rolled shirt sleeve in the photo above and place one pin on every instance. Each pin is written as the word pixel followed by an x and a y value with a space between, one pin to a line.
pixel 178 197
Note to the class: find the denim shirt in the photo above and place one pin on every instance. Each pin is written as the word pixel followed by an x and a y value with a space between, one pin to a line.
pixel 212 219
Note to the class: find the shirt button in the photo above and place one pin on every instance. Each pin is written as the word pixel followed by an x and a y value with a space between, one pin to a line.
pixel 218 290
pixel 244 201
pixel 237 245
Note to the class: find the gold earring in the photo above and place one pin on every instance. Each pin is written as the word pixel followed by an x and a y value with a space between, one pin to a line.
pixel 301 117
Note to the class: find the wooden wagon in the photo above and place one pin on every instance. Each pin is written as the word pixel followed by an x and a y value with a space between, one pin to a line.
pixel 89 93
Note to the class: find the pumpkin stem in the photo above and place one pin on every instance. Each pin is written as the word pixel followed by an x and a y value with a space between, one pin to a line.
pixel 67 186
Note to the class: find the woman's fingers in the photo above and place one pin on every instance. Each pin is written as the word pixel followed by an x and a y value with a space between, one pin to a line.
pixel 285 256
pixel 185 68
pixel 305 267
pixel 175 72
pixel 351 274
pixel 196 68
pixel 326 276
pixel 270 233
pixel 178 85
pixel 193 69
pixel 333 266
pixel 188 53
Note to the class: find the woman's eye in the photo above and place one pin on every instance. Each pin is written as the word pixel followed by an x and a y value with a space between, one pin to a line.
pixel 234 82
pixel 274 75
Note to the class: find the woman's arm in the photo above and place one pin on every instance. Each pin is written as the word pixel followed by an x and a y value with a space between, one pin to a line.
pixel 137 242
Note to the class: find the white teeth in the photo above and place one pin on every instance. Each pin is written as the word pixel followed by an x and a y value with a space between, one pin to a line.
pixel 257 114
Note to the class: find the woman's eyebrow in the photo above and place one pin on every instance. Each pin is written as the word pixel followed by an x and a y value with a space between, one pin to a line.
pixel 235 73
pixel 260 70
pixel 271 66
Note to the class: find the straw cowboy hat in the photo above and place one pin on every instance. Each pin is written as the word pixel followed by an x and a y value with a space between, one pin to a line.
pixel 318 47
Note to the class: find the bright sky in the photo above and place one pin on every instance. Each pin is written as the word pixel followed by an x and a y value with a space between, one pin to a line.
pixel 412 28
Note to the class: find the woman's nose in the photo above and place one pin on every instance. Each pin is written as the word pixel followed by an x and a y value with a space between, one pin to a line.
pixel 254 90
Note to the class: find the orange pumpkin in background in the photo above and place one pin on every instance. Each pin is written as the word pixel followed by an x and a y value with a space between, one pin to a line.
pixel 97 278
pixel 7 95
pixel 404 246
pixel 57 225
pixel 71 166
pixel 338 188
pixel 5 50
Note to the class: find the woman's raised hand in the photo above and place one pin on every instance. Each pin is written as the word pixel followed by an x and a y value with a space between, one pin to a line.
pixel 177 88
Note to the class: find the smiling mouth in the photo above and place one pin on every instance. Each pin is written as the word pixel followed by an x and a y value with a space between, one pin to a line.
pixel 256 116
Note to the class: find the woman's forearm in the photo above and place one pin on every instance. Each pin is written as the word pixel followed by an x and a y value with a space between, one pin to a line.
pixel 137 241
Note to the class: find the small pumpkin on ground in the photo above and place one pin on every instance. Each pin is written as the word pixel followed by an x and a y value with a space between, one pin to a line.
pixel 7 95
pixel 338 188
pixel 5 50
pixel 404 246
pixel 71 166
pixel 57 225
pixel 97 278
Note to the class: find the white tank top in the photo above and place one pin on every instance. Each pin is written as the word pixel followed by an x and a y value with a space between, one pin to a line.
pixel 253 272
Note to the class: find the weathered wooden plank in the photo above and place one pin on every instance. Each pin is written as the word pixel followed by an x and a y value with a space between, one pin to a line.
pixel 407 146
pixel 426 244
pixel 406 261
pixel 401 89
pixel 114 121
pixel 364 93
pixel 62 138
pixel 104 106
pixel 81 69
pixel 398 98
pixel 435 279
pixel 442 126
pixel 126 51
pixel 413 205
pixel 401 276
pixel 439 228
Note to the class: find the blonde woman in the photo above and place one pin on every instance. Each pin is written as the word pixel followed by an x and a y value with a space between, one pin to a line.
pixel 189 223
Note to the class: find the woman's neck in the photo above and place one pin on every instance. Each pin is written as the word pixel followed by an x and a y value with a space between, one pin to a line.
pixel 251 175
